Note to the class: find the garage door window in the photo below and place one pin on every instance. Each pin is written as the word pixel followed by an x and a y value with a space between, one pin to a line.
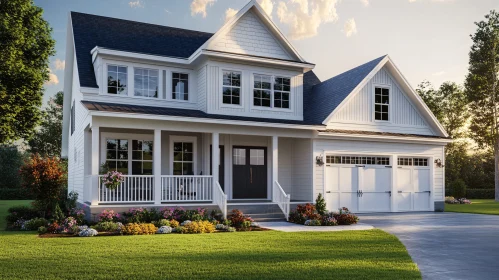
pixel 408 161
pixel 371 160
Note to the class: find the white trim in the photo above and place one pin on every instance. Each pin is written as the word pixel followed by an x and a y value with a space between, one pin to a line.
pixel 170 89
pixel 188 139
pixel 87 90
pixel 384 138
pixel 373 103
pixel 272 108
pixel 242 94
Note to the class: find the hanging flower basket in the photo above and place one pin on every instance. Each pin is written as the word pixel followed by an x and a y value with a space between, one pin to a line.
pixel 113 179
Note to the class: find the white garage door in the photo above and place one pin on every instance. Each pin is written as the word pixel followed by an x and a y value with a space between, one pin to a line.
pixel 413 184
pixel 360 183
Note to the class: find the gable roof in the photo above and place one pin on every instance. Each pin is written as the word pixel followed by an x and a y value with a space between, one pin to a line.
pixel 325 97
pixel 131 36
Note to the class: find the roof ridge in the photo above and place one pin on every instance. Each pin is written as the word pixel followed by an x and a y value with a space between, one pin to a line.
pixel 143 23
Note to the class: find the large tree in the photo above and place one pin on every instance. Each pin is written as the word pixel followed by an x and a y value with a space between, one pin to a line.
pixel 482 87
pixel 25 48
pixel 48 138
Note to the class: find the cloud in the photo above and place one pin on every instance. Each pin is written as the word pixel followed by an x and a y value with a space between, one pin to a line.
pixel 366 2
pixel 136 4
pixel 168 12
pixel 267 6
pixel 229 13
pixel 53 80
pixel 199 7
pixel 304 17
pixel 440 73
pixel 350 28
pixel 59 64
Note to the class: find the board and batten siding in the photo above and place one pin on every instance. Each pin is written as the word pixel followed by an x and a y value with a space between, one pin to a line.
pixel 358 113
pixel 295 167
pixel 329 147
pixel 250 36
pixel 201 85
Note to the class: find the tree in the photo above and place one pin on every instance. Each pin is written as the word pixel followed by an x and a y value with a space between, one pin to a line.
pixel 47 139
pixel 482 87
pixel 25 48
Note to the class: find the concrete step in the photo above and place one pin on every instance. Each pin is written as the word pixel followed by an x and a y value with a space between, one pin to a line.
pixel 259 212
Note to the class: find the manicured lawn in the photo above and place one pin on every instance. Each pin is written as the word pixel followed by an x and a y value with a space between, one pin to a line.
pixel 371 254
pixel 6 204
pixel 478 206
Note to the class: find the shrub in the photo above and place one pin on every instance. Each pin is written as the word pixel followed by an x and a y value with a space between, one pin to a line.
pixel 464 201
pixel 312 223
pixel 20 213
pixel 88 232
pixel 245 226
pixel 230 229
pixel 178 229
pixel 237 218
pixel 35 223
pixel 198 227
pixel 186 222
pixel 346 219
pixel 329 221
pixel 57 215
pixel 161 223
pixel 480 193
pixel 107 226
pixel 174 223
pixel 458 188
pixel 164 230
pixel 221 227
pixel 297 218
pixel 53 228
pixel 69 225
pixel 320 205
pixel 11 159
pixel 173 213
pixel 138 229
pixel 109 216
pixel 141 215
pixel 78 214
pixel 450 200
pixel 304 213
pixel 42 230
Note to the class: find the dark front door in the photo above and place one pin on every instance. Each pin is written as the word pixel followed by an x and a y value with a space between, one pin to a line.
pixel 249 172
pixel 221 173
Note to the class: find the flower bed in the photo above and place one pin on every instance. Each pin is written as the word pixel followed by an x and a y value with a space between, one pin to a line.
pixel 452 200
pixel 316 215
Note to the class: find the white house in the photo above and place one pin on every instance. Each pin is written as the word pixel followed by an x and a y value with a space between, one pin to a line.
pixel 165 105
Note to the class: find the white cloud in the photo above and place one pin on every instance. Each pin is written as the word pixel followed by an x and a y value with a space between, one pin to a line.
pixel 366 2
pixel 199 7
pixel 168 12
pixel 267 6
pixel 136 4
pixel 53 80
pixel 440 73
pixel 229 13
pixel 304 17
pixel 59 64
pixel 350 28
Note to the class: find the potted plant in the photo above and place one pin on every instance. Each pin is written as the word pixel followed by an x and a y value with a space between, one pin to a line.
pixel 112 179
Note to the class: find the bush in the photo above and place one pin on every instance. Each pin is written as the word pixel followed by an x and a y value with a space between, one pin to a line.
pixel 138 229
pixel 164 230
pixel 174 223
pixel 346 219
pixel 237 218
pixel 35 223
pixel 88 232
pixel 58 215
pixel 15 194
pixel 141 215
pixel 458 188
pixel 245 226
pixel 320 205
pixel 107 226
pixel 109 216
pixel 198 227
pixel 161 223
pixel 304 213
pixel 312 223
pixel 297 218
pixel 53 228
pixel 21 213
pixel 329 221
pixel 42 230
pixel 69 225
pixel 480 193
pixel 11 159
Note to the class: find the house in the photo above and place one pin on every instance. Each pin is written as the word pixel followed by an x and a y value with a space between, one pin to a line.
pixel 237 119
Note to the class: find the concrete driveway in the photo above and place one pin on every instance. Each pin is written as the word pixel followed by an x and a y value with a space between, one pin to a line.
pixel 446 245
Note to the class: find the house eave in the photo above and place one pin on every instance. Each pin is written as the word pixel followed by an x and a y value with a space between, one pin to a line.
pixel 384 138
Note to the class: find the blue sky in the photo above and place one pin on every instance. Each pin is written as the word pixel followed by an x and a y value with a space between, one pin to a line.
pixel 428 39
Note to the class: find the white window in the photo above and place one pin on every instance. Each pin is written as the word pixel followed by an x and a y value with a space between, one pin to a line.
pixel 117 155
pixel 146 82
pixel 183 158
pixel 381 103
pixel 142 157
pixel 239 156
pixel 117 80
pixel 180 86
pixel 257 157
pixel 231 90
pixel 271 91
pixel 407 161
pixel 369 160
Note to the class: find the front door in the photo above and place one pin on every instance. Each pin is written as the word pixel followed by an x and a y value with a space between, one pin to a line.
pixel 249 173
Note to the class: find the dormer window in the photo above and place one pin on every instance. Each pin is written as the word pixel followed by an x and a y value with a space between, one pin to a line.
pixel 231 90
pixel 146 82
pixel 272 92
pixel 117 80
pixel 381 103
pixel 180 86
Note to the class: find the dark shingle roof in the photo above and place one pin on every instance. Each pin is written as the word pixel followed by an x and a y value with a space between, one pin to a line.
pixel 362 132
pixel 90 31
pixel 326 96
pixel 164 111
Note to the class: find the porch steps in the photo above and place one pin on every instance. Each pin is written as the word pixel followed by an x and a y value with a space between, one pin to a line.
pixel 264 212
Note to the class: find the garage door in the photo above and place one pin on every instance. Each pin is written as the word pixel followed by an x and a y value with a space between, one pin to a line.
pixel 413 184
pixel 360 183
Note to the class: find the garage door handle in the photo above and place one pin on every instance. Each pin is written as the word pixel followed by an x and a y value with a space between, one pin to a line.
pixel 328 192
pixel 360 166
pixel 399 191
pixel 389 192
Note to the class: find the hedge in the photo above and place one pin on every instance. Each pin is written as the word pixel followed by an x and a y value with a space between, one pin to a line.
pixel 15 194
pixel 480 193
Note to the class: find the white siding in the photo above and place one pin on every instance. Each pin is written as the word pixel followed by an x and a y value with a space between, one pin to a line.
pixel 323 147
pixel 250 36
pixel 201 85
pixel 358 113
pixel 295 167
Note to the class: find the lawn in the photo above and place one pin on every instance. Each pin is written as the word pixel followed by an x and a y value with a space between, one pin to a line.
pixel 371 254
pixel 478 206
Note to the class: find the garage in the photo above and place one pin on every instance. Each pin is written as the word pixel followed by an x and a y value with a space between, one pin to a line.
pixel 364 183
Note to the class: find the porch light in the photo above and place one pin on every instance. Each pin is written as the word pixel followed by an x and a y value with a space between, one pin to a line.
pixel 438 162
pixel 319 160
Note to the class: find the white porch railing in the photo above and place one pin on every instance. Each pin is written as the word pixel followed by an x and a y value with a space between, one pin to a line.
pixel 134 188
pixel 281 198
pixel 186 188
pixel 220 198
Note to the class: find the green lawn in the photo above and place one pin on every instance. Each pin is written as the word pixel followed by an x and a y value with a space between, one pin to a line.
pixel 478 206
pixel 371 254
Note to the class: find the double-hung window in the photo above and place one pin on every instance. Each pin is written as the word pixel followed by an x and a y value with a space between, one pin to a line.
pixel 146 82
pixel 272 92
pixel 180 86
pixel 381 104
pixel 183 158
pixel 142 157
pixel 117 80
pixel 231 89
pixel 117 155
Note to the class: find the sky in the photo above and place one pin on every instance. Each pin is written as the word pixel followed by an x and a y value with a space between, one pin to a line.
pixel 427 39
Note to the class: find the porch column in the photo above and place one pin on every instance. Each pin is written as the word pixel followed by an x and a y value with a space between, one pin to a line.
pixel 215 159
pixel 275 162
pixel 95 165
pixel 157 166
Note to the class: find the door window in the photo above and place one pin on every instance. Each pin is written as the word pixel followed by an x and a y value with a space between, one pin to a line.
pixel 239 157
pixel 257 157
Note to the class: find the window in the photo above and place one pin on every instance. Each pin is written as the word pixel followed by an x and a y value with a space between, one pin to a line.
pixel 141 157
pixel 405 161
pixel 180 86
pixel 282 88
pixel 231 89
pixel 239 157
pixel 146 82
pixel 381 103
pixel 257 157
pixel 369 160
pixel 117 155
pixel 73 115
pixel 183 158
pixel 117 80
pixel 262 90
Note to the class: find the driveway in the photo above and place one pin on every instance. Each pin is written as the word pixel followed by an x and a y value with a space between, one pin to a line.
pixel 446 245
